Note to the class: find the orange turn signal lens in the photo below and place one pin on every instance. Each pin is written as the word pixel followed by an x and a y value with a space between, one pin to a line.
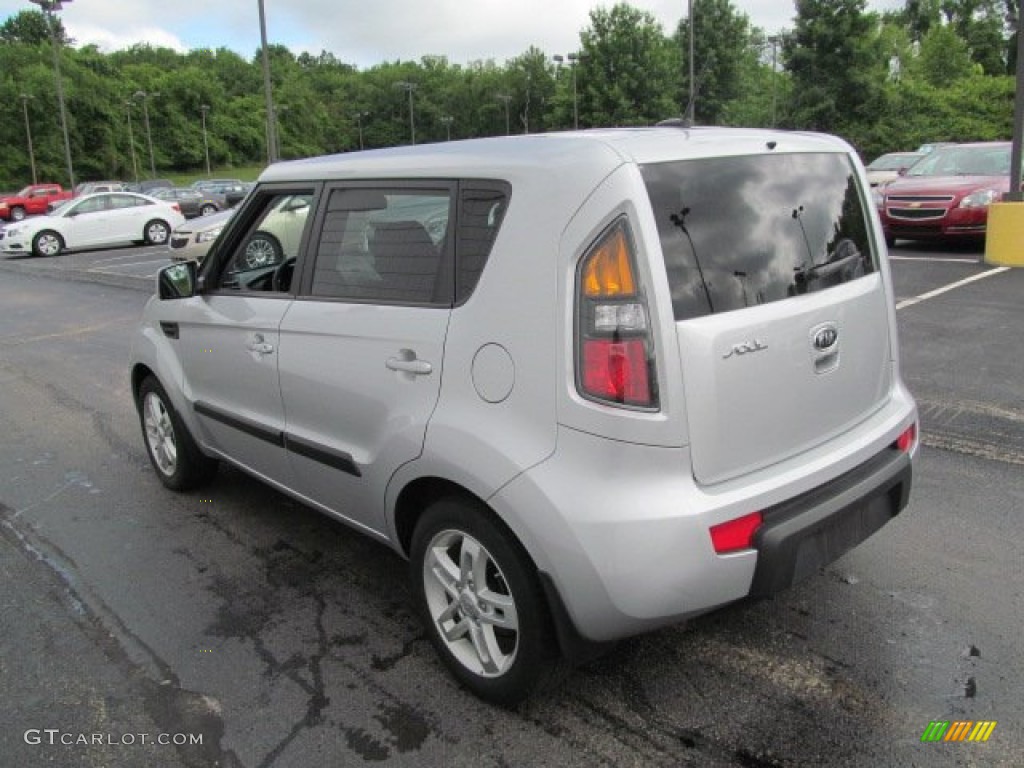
pixel 607 271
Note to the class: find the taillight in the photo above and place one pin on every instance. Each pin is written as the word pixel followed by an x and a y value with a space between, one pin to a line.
pixel 907 438
pixel 614 353
pixel 736 534
pixel 176 207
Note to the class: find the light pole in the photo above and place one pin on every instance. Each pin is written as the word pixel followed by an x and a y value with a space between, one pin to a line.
pixel 49 9
pixel 691 106
pixel 267 91
pixel 506 97
pixel 447 120
pixel 131 139
pixel 203 109
pixel 574 59
pixel 144 98
pixel 774 40
pixel 28 135
pixel 359 125
pixel 409 88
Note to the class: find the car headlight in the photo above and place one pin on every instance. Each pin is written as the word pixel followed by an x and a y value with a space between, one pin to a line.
pixel 983 198
pixel 211 234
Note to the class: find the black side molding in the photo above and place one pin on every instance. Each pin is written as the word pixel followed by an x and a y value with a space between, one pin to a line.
pixel 331 458
pixel 272 436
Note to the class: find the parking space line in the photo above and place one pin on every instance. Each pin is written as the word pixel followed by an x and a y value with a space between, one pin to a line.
pixel 132 255
pixel 932 258
pixel 115 267
pixel 950 287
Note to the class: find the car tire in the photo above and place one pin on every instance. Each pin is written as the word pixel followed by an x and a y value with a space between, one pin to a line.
pixel 495 636
pixel 262 250
pixel 207 209
pixel 47 243
pixel 178 462
pixel 17 213
pixel 156 232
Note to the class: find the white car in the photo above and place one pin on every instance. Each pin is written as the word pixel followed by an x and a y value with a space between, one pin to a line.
pixel 92 221
pixel 193 239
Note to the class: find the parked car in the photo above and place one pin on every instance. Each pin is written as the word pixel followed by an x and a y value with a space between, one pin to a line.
pixel 890 166
pixel 192 240
pixel 589 383
pixel 924 149
pixel 946 194
pixel 31 201
pixel 193 202
pixel 147 186
pixel 89 187
pixel 223 194
pixel 90 221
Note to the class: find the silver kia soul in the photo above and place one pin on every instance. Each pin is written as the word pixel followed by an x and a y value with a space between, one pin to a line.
pixel 589 383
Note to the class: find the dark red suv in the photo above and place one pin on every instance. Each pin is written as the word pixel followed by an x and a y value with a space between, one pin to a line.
pixel 946 194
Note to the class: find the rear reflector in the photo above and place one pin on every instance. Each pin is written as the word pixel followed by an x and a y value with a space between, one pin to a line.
pixel 736 534
pixel 906 440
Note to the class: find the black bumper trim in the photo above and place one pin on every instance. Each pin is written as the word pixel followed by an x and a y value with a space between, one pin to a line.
pixel 805 533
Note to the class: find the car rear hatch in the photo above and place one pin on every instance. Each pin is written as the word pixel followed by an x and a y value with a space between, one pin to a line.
pixel 781 312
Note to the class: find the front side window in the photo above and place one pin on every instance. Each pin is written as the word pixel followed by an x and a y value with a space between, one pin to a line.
pixel 384 245
pixel 263 258
pixel 92 205
pixel 741 231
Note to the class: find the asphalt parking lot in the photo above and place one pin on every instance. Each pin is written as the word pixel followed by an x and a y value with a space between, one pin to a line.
pixel 287 640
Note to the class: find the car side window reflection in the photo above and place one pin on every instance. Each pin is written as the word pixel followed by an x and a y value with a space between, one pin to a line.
pixel 264 258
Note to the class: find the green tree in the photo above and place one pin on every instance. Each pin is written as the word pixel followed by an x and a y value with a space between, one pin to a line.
pixel 628 75
pixel 722 55
pixel 31 28
pixel 837 66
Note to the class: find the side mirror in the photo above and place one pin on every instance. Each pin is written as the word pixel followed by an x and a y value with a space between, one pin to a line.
pixel 177 281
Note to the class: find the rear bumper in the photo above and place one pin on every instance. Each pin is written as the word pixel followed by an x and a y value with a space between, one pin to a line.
pixel 803 534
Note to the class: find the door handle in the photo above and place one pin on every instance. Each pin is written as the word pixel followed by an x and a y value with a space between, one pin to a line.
pixel 409 365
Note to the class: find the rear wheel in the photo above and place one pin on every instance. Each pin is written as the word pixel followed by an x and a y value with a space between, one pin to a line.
pixel 178 462
pixel 47 243
pixel 207 209
pixel 481 602
pixel 156 232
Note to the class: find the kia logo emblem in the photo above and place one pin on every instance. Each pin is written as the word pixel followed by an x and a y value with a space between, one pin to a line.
pixel 825 338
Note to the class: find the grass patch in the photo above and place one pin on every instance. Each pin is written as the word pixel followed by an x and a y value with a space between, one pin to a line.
pixel 243 172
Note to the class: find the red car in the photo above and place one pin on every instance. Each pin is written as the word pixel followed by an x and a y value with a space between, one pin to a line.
pixel 946 194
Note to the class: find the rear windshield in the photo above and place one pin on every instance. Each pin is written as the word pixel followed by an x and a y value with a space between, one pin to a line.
pixel 740 231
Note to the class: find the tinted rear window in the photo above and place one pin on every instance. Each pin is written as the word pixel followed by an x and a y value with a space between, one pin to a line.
pixel 740 231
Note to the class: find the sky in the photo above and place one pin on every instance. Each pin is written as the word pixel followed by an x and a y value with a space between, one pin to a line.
pixel 368 32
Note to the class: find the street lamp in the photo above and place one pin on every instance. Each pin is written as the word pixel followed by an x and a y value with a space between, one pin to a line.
pixel 267 91
pixel 574 59
pixel 409 87
pixel 144 98
pixel 447 120
pixel 506 97
pixel 359 125
pixel 131 139
pixel 28 135
pixel 203 109
pixel 278 109
pixel 49 9
pixel 774 40
pixel 691 106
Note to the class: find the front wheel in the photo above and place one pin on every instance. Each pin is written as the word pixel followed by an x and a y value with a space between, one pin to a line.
pixel 262 250
pixel 156 232
pixel 47 243
pixel 17 213
pixel 178 462
pixel 481 602
pixel 207 209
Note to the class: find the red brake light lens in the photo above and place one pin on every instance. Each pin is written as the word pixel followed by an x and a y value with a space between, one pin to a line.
pixel 616 370
pixel 734 535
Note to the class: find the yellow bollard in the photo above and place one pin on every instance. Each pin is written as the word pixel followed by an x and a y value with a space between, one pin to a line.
pixel 1004 240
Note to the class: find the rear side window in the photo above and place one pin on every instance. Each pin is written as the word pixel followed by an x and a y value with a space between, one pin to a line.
pixel 482 208
pixel 741 231
pixel 384 245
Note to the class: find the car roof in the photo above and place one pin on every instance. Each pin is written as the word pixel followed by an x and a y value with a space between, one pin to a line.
pixel 508 156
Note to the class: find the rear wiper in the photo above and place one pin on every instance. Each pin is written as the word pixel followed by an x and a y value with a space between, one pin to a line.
pixel 841 257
